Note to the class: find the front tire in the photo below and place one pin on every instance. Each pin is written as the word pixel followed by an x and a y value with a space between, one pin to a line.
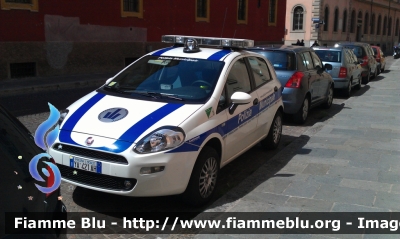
pixel 301 115
pixel 275 133
pixel 347 91
pixel 358 86
pixel 204 177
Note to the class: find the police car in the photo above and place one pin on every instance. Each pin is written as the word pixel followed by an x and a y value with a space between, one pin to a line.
pixel 168 122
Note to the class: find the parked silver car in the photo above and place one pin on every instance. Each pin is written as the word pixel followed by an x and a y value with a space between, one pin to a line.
pixel 346 68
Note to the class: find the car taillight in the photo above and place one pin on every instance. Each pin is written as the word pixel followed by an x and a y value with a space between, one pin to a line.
pixel 365 61
pixel 50 179
pixel 295 80
pixel 343 72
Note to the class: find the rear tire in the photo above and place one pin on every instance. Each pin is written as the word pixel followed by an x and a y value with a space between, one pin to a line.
pixel 329 100
pixel 358 86
pixel 301 115
pixel 203 181
pixel 375 73
pixel 275 133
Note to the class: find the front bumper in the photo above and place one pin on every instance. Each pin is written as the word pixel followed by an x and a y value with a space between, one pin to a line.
pixel 172 180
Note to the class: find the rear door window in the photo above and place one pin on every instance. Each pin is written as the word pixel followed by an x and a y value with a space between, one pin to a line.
pixel 260 70
pixel 307 60
pixel 316 60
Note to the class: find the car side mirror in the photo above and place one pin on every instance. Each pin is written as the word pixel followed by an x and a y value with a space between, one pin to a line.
pixel 328 67
pixel 239 98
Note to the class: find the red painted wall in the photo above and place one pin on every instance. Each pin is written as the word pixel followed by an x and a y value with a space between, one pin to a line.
pixel 159 17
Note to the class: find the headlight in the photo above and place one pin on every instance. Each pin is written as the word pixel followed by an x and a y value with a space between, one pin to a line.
pixel 161 139
pixel 63 114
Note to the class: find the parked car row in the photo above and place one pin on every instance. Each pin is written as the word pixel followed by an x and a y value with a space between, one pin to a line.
pixel 169 121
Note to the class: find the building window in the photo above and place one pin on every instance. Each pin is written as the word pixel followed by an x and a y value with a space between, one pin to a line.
pixel 396 30
pixel 272 13
pixel 32 5
pixel 390 27
pixel 242 12
pixel 336 20
pixel 326 19
pixel 344 26
pixel 378 27
pixel 298 16
pixel 384 26
pixel 366 21
pixel 353 21
pixel 132 8
pixel 372 24
pixel 202 10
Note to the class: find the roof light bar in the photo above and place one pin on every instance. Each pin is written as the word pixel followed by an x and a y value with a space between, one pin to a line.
pixel 209 41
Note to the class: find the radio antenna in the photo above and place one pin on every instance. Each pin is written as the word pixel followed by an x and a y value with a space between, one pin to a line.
pixel 223 24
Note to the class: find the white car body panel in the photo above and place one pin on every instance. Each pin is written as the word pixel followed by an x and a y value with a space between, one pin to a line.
pixel 249 123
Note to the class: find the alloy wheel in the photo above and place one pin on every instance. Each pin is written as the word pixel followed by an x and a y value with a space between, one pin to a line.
pixel 208 177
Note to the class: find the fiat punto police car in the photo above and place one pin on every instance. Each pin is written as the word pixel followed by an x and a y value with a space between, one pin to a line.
pixel 168 122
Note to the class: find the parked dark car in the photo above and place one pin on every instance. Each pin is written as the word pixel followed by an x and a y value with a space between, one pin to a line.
pixel 380 58
pixel 365 54
pixel 18 190
pixel 302 73
pixel 346 70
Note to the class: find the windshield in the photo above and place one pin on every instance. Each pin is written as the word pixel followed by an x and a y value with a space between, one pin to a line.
pixel 280 60
pixel 329 55
pixel 168 78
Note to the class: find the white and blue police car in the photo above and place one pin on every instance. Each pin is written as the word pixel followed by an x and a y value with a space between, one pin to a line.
pixel 168 122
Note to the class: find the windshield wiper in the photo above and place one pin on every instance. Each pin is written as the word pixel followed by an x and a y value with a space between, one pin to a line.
pixel 115 89
pixel 155 95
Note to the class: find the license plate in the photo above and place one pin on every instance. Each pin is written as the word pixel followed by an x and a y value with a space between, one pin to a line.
pixel 85 164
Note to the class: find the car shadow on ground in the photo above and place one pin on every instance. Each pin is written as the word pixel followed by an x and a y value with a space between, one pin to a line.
pixel 317 114
pixel 230 176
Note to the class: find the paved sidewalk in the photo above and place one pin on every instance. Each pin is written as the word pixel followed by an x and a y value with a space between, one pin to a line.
pixel 350 163
pixel 41 84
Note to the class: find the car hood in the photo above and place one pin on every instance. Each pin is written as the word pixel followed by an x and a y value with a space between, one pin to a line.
pixel 121 119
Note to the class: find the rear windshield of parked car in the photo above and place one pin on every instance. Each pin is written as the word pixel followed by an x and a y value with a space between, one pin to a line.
pixel 358 51
pixel 329 56
pixel 280 60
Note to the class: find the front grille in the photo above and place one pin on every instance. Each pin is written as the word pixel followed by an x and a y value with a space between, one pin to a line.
pixel 77 151
pixel 95 179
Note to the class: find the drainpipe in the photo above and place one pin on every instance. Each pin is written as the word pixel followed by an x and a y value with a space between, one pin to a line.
pixel 370 20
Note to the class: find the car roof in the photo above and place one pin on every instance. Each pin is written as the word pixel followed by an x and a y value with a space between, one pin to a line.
pixel 352 43
pixel 287 48
pixel 328 48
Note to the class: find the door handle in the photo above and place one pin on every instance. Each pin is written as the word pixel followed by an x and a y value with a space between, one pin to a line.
pixel 276 88
pixel 255 101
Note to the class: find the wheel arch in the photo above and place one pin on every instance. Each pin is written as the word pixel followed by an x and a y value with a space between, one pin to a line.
pixel 215 143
